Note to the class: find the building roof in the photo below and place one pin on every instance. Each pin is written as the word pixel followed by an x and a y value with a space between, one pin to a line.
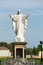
pixel 3 48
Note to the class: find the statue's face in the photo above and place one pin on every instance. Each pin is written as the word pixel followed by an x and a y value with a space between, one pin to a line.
pixel 19 12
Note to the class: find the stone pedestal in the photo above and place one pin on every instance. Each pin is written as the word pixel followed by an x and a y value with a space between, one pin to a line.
pixel 19 49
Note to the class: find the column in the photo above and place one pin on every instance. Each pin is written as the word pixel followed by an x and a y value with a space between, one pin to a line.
pixel 15 52
pixel 23 53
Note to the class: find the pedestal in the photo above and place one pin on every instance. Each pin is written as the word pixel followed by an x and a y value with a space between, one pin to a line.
pixel 19 49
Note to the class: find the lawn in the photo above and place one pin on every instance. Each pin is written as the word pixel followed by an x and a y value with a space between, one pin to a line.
pixel 37 60
pixel 3 59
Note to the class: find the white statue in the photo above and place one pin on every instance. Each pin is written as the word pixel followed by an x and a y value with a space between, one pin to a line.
pixel 19 25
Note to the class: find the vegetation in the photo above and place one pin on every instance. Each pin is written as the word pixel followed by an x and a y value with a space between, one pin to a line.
pixel 7 45
pixel 33 51
pixel 4 59
pixel 29 51
pixel 37 60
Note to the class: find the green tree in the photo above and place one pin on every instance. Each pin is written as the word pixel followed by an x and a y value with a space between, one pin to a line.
pixel 38 49
pixel 34 51
pixel 5 44
pixel 29 51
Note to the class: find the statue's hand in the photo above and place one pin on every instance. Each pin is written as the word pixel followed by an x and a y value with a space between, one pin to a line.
pixel 10 15
pixel 27 16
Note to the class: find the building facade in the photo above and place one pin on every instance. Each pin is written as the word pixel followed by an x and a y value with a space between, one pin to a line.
pixel 4 52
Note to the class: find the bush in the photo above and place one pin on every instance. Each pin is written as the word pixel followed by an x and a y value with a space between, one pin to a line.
pixel 0 62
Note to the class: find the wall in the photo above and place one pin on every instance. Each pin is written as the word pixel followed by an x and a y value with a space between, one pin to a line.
pixel 5 53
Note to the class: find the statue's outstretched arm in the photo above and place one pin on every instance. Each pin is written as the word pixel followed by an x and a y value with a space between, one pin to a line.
pixel 10 15
pixel 27 16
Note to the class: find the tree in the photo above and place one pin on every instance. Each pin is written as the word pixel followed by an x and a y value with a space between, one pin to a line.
pixel 34 51
pixel 7 45
pixel 38 49
pixel 29 51
pixel 3 44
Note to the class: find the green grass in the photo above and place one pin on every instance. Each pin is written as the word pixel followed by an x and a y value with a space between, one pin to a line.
pixel 37 60
pixel 4 59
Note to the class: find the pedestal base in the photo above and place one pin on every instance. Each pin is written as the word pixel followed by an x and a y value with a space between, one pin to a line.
pixel 19 49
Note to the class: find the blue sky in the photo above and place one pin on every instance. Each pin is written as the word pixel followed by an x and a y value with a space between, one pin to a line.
pixel 34 31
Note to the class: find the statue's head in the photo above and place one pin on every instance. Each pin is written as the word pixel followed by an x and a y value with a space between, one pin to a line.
pixel 18 12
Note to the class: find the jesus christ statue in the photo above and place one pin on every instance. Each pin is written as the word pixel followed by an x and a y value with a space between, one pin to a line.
pixel 19 22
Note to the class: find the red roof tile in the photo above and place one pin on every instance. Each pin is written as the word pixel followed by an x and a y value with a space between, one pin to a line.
pixel 3 48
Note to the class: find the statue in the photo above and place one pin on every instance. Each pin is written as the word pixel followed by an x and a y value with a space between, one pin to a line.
pixel 19 22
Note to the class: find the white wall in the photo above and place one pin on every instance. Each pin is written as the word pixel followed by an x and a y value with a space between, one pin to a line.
pixel 5 53
pixel 40 54
pixel 35 56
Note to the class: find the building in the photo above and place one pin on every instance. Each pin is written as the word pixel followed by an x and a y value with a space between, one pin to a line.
pixel 4 52
pixel 40 54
